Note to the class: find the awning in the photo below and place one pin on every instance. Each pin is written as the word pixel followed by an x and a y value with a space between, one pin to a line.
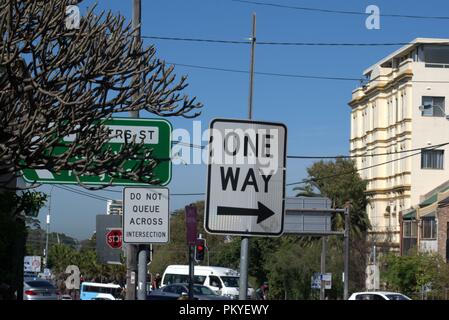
pixel 429 200
pixel 409 215
pixel 428 211
pixel 430 214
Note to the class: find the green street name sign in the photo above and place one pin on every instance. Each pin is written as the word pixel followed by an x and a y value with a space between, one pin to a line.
pixel 154 133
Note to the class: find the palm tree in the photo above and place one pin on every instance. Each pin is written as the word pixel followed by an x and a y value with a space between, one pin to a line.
pixel 307 190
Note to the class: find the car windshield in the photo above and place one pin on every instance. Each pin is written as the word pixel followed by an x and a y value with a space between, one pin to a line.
pixel 230 281
pixel 396 297
pixel 202 290
pixel 40 284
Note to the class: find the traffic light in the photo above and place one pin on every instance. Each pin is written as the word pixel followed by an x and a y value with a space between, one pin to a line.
pixel 200 248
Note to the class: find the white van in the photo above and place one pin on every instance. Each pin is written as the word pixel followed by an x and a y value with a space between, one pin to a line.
pixel 224 281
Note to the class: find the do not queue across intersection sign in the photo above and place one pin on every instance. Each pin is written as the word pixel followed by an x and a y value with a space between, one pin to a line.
pixel 146 215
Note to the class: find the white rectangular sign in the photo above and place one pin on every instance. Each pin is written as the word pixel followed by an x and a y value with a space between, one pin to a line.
pixel 246 178
pixel 121 134
pixel 146 215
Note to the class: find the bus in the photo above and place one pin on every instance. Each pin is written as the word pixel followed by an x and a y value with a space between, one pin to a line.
pixel 100 291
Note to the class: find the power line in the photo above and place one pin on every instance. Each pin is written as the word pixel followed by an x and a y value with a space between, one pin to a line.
pixel 85 193
pixel 96 197
pixel 342 11
pixel 274 74
pixel 366 155
pixel 292 183
pixel 266 73
pixel 339 156
pixel 171 194
pixel 283 43
pixel 191 145
pixel 361 169
pixel 197 40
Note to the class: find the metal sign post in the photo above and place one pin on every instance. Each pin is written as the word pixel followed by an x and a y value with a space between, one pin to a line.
pixel 346 275
pixel 312 216
pixel 191 271
pixel 131 250
pixel 323 267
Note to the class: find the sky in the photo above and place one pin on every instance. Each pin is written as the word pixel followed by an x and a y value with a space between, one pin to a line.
pixel 315 111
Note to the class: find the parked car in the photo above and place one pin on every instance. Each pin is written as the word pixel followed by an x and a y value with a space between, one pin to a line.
pixel 39 289
pixel 66 297
pixel 180 290
pixel 378 295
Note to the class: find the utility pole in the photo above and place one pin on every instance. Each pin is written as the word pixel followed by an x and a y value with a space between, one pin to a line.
pixel 323 268
pixel 131 249
pixel 48 229
pixel 244 249
pixel 346 273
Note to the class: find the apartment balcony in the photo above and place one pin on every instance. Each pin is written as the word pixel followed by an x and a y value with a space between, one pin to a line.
pixel 381 75
pixel 404 67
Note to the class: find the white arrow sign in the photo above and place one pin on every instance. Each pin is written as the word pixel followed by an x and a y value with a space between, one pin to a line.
pixel 246 178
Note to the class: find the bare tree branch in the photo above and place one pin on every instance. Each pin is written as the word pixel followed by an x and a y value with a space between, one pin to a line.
pixel 56 82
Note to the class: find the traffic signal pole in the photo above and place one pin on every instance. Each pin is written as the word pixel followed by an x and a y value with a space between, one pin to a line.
pixel 244 247
pixel 191 271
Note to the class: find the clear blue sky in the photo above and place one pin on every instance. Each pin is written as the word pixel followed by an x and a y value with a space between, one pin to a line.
pixel 315 111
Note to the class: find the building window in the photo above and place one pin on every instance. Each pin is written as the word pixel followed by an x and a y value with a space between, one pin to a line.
pixel 432 159
pixel 410 228
pixel 432 107
pixel 396 106
pixel 409 235
pixel 428 229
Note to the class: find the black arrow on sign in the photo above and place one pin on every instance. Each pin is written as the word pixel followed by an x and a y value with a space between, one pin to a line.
pixel 262 212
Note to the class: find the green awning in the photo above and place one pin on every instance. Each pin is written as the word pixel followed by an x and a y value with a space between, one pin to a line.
pixel 409 215
pixel 432 198
pixel 429 200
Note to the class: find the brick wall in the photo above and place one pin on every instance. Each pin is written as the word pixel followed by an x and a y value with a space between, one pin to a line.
pixel 443 219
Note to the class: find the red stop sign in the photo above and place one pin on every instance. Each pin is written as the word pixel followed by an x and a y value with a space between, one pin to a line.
pixel 114 239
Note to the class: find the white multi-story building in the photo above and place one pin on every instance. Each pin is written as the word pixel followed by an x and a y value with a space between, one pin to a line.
pixel 114 207
pixel 399 115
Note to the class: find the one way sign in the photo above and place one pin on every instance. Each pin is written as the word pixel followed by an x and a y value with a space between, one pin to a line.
pixel 246 178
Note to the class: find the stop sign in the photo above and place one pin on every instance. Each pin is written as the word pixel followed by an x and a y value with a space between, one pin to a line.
pixel 114 238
